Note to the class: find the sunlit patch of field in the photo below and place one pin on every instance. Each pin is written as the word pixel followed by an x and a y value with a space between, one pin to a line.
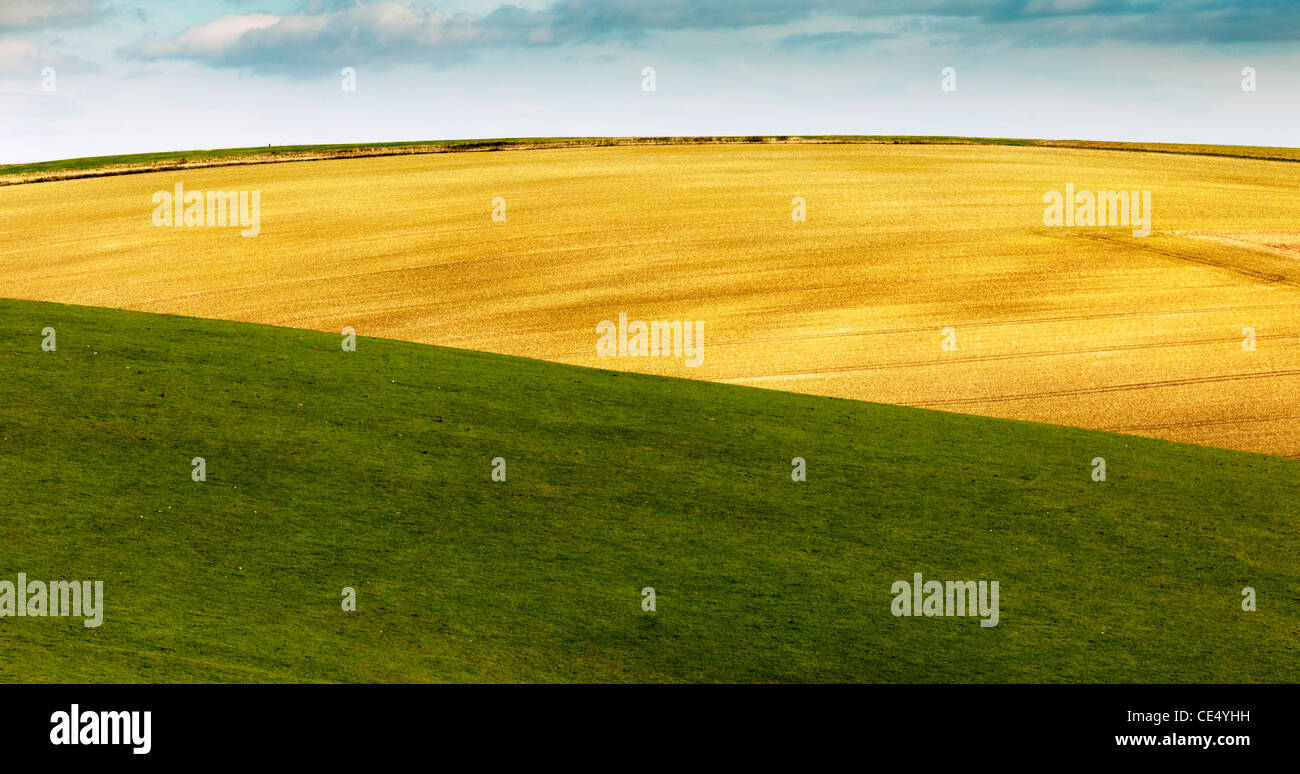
pixel 1083 326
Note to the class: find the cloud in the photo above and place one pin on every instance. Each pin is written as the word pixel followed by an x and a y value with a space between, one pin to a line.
pixel 833 41
pixel 23 57
pixel 325 34
pixel 206 40
pixel 378 34
pixel 37 14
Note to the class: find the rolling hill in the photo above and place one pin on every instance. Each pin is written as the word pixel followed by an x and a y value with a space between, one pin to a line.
pixel 1091 327
pixel 372 469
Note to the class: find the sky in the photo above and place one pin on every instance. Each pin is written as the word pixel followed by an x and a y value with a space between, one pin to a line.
pixel 97 77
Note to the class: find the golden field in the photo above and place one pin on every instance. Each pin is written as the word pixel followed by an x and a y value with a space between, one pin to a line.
pixel 1082 326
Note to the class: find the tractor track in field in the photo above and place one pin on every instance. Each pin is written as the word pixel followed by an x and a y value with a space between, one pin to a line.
pixel 1001 323
pixel 959 326
pixel 1158 384
pixel 1268 278
pixel 1198 423
pixel 1011 356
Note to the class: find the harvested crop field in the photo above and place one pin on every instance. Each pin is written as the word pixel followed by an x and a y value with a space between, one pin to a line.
pixel 1092 327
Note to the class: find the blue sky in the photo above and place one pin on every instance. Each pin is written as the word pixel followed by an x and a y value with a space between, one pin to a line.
pixel 135 77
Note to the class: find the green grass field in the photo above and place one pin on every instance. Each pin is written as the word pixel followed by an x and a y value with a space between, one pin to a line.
pixel 371 469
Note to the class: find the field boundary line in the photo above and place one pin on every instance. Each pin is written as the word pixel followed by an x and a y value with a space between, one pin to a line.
pixel 38 172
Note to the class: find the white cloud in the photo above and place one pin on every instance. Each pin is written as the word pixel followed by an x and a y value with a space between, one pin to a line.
pixel 23 57
pixel 383 32
pixel 27 14
pixel 206 40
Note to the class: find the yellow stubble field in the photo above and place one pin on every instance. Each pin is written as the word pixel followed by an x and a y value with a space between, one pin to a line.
pixel 1091 327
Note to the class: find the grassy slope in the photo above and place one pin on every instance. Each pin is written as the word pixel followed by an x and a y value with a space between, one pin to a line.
pixel 330 469
pixel 148 162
